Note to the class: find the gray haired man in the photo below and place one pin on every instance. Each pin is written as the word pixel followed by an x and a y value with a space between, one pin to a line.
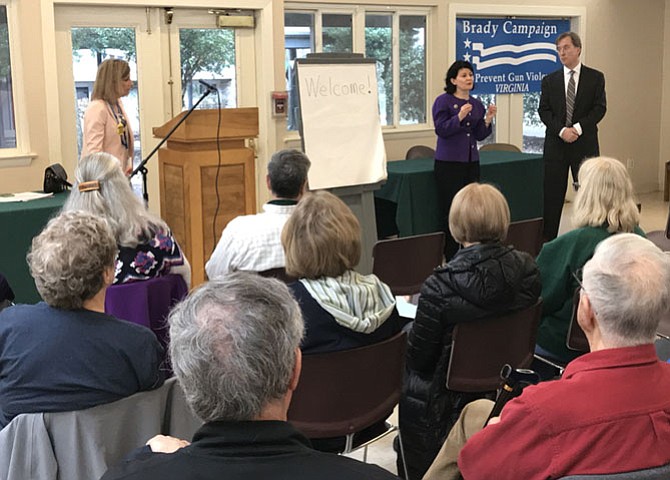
pixel 610 412
pixel 252 243
pixel 235 347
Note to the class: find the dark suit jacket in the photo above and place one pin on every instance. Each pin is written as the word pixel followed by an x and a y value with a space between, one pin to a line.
pixel 590 108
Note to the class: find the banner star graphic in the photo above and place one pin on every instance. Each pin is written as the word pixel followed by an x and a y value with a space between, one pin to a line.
pixel 466 57
pixel 467 43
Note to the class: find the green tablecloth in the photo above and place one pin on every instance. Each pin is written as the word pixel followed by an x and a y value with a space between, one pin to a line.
pixel 411 185
pixel 19 223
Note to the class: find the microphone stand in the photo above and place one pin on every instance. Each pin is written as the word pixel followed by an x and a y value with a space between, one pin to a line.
pixel 141 168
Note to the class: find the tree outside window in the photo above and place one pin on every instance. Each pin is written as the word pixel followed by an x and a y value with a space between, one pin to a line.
pixel 7 122
pixel 533 128
pixel 406 82
pixel 378 45
pixel 412 69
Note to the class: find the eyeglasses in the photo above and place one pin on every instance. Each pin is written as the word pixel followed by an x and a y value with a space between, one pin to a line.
pixel 578 275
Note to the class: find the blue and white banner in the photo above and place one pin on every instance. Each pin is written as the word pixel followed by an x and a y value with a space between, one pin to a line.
pixel 509 55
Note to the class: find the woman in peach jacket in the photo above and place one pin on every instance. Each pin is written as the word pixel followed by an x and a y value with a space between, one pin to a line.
pixel 106 125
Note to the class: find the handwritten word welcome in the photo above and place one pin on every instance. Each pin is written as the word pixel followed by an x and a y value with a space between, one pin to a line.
pixel 318 87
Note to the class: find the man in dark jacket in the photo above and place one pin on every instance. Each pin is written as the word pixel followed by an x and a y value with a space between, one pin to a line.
pixel 484 279
pixel 235 348
pixel 571 105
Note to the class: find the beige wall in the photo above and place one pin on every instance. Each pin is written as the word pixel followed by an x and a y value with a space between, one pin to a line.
pixel 626 42
pixel 664 128
pixel 624 39
pixel 33 82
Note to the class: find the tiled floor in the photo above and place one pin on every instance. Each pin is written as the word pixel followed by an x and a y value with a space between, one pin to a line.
pixel 654 217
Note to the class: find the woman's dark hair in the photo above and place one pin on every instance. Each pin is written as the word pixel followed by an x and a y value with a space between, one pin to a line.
pixel 453 73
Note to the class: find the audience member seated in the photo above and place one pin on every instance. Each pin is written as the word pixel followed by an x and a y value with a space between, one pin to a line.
pixel 6 293
pixel 253 242
pixel 65 353
pixel 239 380
pixel 147 248
pixel 342 308
pixel 483 279
pixel 603 206
pixel 610 412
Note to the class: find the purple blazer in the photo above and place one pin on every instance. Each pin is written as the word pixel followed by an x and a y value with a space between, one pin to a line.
pixel 457 141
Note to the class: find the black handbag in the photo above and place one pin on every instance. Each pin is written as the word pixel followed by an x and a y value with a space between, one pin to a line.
pixel 55 179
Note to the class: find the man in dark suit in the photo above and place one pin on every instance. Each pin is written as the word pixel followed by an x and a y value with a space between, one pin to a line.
pixel 571 105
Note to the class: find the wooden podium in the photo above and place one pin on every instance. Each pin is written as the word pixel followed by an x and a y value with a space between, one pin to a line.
pixel 188 171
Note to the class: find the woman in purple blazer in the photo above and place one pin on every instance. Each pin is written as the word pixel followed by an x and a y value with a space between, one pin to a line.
pixel 460 121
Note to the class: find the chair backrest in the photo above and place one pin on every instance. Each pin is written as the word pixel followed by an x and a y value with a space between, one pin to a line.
pixel 664 326
pixel 344 392
pixel 660 239
pixel 526 235
pixel 656 473
pixel 147 302
pixel 6 292
pixel 419 151
pixel 405 263
pixel 480 348
pixel 85 443
pixel 576 339
pixel 500 147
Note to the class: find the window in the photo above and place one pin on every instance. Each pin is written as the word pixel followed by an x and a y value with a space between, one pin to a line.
pixel 412 69
pixel 533 128
pixel 396 40
pixel 90 47
pixel 337 33
pixel 378 45
pixel 487 99
pixel 7 120
pixel 298 35
pixel 207 54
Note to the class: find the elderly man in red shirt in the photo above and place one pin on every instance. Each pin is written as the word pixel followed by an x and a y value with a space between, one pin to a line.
pixel 610 412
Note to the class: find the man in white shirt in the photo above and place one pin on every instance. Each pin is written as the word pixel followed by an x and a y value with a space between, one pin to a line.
pixel 253 242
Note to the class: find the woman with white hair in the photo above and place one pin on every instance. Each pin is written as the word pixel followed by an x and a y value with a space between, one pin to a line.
pixel 604 205
pixel 147 247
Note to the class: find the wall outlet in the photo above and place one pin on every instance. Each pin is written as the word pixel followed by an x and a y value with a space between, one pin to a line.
pixel 630 164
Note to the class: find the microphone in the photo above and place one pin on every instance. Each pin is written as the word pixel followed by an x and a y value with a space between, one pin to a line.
pixel 209 86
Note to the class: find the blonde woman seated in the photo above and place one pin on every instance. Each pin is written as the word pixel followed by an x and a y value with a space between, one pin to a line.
pixel 147 248
pixel 483 279
pixel 342 308
pixel 604 205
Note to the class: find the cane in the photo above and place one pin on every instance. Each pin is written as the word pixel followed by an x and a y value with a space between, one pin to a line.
pixel 514 381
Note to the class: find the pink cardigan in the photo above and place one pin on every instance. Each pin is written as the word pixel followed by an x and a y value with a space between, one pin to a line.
pixel 101 135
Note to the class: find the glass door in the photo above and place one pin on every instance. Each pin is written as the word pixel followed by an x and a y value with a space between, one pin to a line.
pixel 170 51
pixel 203 54
pixel 86 37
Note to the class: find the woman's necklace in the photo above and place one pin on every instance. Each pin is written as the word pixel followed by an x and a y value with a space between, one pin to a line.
pixel 121 123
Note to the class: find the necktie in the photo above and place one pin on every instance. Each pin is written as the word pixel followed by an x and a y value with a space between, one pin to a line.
pixel 570 100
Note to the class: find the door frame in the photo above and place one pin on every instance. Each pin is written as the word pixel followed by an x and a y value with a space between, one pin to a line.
pixel 268 77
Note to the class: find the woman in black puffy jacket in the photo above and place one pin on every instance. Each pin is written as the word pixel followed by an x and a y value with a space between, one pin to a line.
pixel 483 279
